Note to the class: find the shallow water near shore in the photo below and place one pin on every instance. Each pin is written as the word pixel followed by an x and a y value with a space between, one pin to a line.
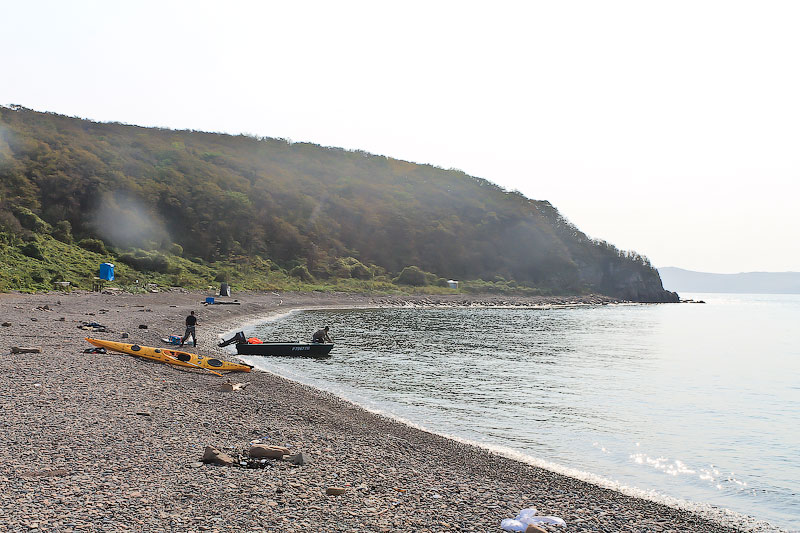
pixel 696 402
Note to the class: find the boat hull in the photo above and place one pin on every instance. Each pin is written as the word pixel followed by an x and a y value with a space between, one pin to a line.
pixel 286 349
pixel 171 357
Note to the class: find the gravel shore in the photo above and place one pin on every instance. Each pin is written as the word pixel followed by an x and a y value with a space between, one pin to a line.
pixel 92 442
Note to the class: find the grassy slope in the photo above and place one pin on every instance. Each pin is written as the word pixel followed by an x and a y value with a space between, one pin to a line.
pixel 69 262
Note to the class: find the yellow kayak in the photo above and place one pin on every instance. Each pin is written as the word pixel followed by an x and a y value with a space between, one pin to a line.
pixel 172 357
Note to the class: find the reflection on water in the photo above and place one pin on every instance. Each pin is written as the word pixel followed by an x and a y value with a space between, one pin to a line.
pixel 698 402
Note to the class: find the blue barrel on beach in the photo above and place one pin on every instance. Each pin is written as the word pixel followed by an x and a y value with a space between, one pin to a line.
pixel 106 271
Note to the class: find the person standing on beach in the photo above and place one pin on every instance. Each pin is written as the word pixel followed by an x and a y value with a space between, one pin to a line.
pixel 191 323
pixel 321 335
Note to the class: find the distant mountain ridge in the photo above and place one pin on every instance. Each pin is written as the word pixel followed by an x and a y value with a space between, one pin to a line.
pixel 678 279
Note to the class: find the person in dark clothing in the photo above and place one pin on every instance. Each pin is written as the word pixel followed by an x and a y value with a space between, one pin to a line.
pixel 191 323
pixel 321 335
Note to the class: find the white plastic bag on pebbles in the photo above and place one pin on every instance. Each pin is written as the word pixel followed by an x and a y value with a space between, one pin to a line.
pixel 527 517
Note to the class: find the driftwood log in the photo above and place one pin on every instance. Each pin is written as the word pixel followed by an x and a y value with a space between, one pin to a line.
pixel 22 349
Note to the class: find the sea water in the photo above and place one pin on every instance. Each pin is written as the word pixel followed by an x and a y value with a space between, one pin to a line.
pixel 694 404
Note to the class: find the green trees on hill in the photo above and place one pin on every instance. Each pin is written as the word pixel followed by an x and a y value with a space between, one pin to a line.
pixel 312 212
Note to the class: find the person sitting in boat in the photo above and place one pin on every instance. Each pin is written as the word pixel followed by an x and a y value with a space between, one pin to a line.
pixel 321 335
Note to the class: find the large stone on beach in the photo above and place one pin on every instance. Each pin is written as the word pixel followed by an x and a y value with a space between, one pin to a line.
pixel 269 452
pixel 215 457
pixel 297 459
pixel 24 349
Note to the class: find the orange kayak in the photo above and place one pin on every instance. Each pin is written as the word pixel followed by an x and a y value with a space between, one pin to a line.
pixel 171 357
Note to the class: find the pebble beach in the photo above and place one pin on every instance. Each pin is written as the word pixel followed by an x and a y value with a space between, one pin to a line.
pixel 110 442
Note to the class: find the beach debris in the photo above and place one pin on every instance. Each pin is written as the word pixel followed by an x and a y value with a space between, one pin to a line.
pixel 534 529
pixel 215 457
pixel 142 326
pixel 526 518
pixel 267 451
pixel 172 339
pixel 95 350
pixel 335 491
pixel 6 324
pixel 230 386
pixel 22 349
pixel 259 456
pixel 125 335
pixel 43 308
pixel 93 326
pixel 143 413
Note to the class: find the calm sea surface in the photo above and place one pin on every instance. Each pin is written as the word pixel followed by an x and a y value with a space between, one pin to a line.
pixel 698 403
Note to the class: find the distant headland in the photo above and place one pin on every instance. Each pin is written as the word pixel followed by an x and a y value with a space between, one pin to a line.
pixel 678 279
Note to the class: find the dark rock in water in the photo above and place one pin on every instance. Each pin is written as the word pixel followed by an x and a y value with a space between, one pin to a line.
pixel 215 457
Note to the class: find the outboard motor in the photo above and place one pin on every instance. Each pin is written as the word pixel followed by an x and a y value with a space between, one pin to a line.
pixel 239 338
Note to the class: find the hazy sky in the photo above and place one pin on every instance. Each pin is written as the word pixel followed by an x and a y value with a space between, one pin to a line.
pixel 669 128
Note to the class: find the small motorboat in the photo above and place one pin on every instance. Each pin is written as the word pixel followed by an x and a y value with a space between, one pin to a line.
pixel 252 346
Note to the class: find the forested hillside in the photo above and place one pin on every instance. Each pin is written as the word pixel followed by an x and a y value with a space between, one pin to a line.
pixel 159 200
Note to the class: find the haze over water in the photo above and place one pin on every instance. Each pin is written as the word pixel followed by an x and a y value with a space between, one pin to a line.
pixel 698 402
